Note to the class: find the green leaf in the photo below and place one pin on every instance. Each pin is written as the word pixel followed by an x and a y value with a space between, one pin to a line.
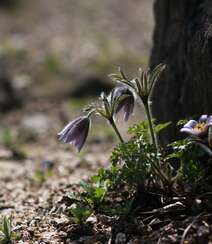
pixel 80 212
pixel 134 159
pixel 72 196
pixel 99 193
pixel 141 129
pixel 155 74
pixel 115 77
pixel 85 185
pixel 182 122
pixel 6 234
pixel 160 127
pixel 7 227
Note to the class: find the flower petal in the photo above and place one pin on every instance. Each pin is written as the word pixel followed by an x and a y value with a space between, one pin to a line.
pixel 76 132
pixel 209 120
pixel 128 108
pixel 79 142
pixel 121 90
pixel 126 101
pixel 190 124
pixel 203 118
pixel 78 129
pixel 69 126
pixel 189 131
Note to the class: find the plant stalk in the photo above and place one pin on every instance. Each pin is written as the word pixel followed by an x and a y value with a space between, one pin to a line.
pixel 151 127
pixel 162 176
pixel 154 141
pixel 113 124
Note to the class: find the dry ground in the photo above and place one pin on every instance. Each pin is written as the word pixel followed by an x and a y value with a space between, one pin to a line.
pixel 34 205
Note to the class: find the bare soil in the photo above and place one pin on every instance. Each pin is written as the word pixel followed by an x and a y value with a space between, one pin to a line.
pixel 39 206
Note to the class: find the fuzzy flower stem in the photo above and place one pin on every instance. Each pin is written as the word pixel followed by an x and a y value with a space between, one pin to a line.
pixel 154 142
pixel 90 113
pixel 113 124
pixel 151 128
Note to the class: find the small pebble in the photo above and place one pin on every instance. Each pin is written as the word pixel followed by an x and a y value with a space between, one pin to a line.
pixel 120 238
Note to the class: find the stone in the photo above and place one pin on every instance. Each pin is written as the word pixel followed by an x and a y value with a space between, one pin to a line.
pixel 36 124
pixel 120 238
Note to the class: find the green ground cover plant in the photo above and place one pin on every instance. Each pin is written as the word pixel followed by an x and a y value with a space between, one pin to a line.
pixel 7 235
pixel 142 175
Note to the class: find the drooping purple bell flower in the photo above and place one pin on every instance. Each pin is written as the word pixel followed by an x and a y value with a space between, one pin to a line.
pixel 125 102
pixel 76 132
pixel 198 128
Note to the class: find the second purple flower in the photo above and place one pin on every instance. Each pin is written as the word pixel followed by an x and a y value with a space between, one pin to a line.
pixel 125 101
pixel 76 132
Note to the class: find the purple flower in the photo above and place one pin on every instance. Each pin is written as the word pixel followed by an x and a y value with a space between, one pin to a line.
pixel 198 128
pixel 125 100
pixel 76 132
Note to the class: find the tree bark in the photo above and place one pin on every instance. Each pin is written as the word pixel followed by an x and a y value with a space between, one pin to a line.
pixel 182 40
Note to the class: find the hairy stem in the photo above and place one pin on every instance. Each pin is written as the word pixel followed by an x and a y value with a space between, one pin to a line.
pixel 116 130
pixel 151 128
pixel 160 173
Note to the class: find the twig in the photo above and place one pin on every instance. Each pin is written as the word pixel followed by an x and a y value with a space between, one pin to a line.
pixel 159 240
pixel 189 227
pixel 205 194
pixel 2 207
pixel 166 209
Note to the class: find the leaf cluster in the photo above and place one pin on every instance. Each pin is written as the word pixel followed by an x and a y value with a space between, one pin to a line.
pixel 189 156
pixel 6 232
pixel 134 159
pixel 87 201
pixel 131 167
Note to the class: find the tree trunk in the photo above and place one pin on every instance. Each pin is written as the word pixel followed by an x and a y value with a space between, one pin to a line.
pixel 182 40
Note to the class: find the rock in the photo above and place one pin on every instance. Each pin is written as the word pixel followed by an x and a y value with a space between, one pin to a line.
pixel 36 124
pixel 91 86
pixel 59 221
pixel 120 238
pixel 91 220
pixel 21 84
pixel 88 239
pixel 135 241
pixel 203 234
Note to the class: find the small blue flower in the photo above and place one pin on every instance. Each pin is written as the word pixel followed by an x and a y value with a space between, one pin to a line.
pixel 76 132
pixel 125 102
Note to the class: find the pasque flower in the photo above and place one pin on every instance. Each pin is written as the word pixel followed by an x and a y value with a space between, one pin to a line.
pixel 76 132
pixel 143 87
pixel 106 108
pixel 125 101
pixel 198 128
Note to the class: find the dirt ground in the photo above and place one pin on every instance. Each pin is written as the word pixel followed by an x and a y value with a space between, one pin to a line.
pixel 38 206
pixel 34 204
